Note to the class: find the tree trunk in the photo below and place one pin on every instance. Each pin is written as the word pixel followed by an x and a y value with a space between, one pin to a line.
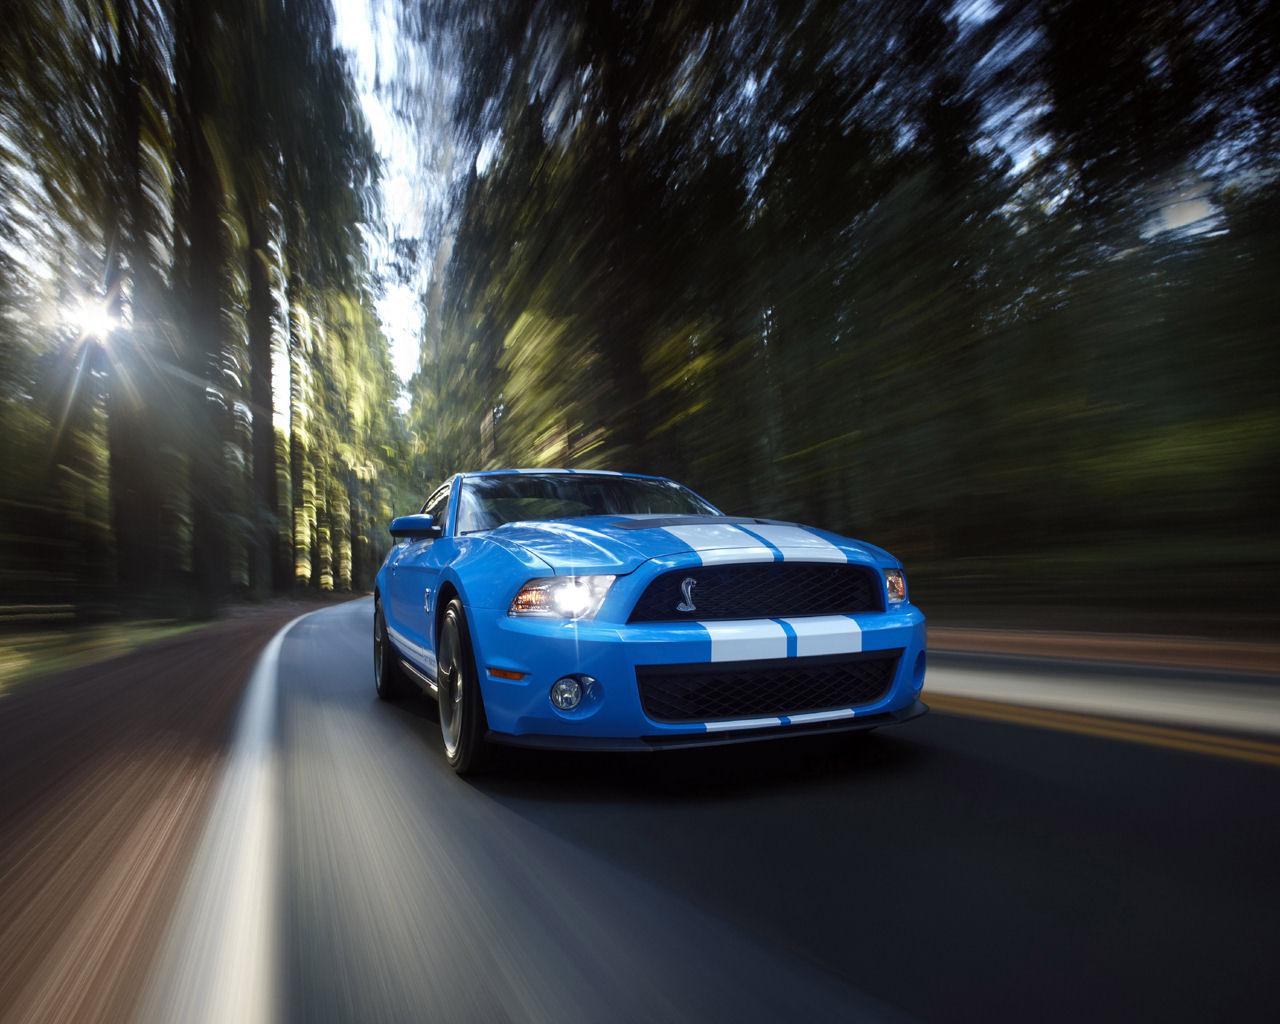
pixel 134 396
pixel 265 491
pixel 201 270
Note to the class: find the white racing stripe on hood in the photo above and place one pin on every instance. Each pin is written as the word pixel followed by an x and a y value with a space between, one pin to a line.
pixel 722 543
pixel 735 556
pixel 798 544
pixel 717 543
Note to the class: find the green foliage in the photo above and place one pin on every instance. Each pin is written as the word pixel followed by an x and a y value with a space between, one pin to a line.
pixel 199 172
pixel 962 279
pixel 961 282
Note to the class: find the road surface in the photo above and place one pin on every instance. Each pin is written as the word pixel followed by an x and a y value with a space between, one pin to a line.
pixel 953 869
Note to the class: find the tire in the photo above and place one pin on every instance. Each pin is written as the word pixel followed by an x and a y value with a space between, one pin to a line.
pixel 388 677
pixel 462 720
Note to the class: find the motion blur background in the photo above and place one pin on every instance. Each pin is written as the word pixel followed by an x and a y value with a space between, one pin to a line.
pixel 993 285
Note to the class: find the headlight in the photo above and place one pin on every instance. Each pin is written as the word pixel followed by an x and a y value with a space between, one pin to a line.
pixel 562 597
pixel 896 585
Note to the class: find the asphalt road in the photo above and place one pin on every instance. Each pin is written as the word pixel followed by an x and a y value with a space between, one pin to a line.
pixel 954 869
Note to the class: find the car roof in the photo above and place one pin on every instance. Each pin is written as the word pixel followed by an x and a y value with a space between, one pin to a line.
pixel 576 472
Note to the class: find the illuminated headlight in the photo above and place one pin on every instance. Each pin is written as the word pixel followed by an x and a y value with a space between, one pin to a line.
pixel 562 597
pixel 896 584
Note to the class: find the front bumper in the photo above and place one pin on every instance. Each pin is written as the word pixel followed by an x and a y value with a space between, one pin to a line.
pixel 611 716
pixel 684 741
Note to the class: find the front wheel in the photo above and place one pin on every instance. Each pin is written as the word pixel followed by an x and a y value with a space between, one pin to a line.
pixel 462 719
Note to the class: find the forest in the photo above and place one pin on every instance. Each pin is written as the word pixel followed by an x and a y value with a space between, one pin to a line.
pixel 990 284
pixel 198 399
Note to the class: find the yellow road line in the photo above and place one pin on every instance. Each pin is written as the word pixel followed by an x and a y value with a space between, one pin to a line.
pixel 1158 731
pixel 1239 748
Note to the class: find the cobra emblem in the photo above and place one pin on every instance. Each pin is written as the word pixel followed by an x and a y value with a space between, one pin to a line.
pixel 686 588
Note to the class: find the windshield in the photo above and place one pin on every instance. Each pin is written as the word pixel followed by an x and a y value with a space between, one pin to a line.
pixel 490 501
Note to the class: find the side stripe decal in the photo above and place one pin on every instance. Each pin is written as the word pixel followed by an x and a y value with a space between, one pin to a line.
pixel 424 659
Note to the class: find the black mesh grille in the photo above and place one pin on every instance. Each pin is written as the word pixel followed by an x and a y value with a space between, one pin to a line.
pixel 760 590
pixel 789 686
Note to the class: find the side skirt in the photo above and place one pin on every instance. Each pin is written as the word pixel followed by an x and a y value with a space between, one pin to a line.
pixel 421 678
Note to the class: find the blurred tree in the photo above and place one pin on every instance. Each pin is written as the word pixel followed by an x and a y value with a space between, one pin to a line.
pixel 906 270
pixel 968 279
pixel 185 179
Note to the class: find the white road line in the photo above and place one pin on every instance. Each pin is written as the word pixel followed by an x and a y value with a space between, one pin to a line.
pixel 218 959
pixel 1237 707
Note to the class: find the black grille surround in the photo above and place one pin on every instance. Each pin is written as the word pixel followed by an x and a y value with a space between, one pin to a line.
pixel 759 689
pixel 761 590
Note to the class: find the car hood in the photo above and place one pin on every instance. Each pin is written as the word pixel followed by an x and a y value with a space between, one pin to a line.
pixel 619 544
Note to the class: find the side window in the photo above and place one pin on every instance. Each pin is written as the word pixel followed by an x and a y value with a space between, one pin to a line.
pixel 438 504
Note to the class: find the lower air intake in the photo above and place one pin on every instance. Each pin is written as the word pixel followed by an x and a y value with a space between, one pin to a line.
pixel 755 689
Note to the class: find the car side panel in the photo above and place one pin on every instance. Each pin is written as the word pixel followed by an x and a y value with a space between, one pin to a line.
pixel 485 576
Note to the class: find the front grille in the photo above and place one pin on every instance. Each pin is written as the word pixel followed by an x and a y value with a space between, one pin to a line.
pixel 745 689
pixel 760 590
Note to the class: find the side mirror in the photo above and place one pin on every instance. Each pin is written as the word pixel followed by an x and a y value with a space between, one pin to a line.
pixel 415 527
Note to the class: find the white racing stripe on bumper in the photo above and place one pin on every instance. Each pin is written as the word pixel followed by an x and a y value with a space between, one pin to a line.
pixel 764 723
pixel 822 716
pixel 826 634
pixel 744 723
pixel 761 639
pixel 755 640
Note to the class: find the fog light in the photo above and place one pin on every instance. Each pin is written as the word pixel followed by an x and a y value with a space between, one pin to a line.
pixel 566 693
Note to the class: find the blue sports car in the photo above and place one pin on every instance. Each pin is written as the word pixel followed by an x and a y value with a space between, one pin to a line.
pixel 605 611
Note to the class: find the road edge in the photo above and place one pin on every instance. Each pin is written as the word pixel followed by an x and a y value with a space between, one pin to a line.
pixel 216 961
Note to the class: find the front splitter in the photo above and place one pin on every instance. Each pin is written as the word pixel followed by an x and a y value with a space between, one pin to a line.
pixel 680 741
